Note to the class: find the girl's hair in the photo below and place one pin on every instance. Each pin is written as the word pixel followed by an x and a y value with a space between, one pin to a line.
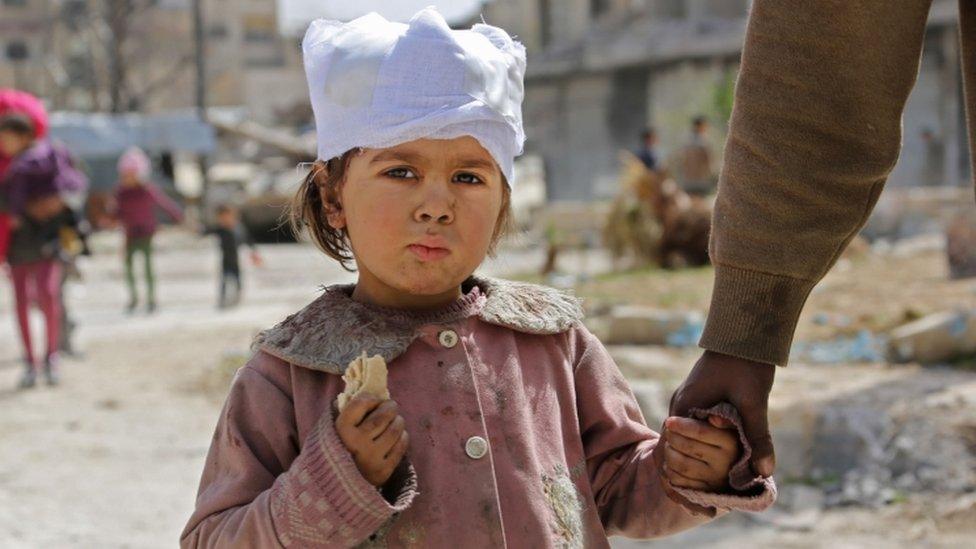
pixel 17 123
pixel 308 212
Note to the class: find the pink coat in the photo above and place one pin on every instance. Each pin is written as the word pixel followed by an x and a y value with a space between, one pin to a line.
pixel 523 433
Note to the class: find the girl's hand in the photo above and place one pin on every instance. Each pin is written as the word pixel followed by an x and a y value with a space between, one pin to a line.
pixel 700 454
pixel 373 432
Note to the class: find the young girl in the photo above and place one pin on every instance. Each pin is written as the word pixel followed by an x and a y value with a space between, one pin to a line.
pixel 39 174
pixel 17 102
pixel 508 422
pixel 136 201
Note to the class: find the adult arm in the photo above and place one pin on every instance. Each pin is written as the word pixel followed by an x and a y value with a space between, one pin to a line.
pixel 815 131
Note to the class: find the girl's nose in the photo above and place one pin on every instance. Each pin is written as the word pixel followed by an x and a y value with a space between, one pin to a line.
pixel 437 207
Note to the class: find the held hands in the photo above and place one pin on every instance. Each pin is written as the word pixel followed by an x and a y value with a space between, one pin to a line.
pixel 699 454
pixel 256 259
pixel 744 384
pixel 374 433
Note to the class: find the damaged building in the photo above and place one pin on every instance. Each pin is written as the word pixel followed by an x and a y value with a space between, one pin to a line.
pixel 601 70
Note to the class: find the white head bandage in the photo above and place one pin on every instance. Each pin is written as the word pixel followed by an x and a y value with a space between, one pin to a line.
pixel 377 84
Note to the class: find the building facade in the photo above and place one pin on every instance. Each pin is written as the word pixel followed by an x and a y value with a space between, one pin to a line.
pixel 62 50
pixel 601 70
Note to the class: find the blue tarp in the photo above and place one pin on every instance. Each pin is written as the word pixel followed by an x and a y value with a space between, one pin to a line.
pixel 97 140
pixel 108 135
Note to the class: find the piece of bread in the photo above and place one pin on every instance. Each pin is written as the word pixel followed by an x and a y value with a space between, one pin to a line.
pixel 364 375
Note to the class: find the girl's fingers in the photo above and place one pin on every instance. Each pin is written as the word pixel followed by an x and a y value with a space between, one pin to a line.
pixel 399 449
pixel 379 419
pixel 357 409
pixel 701 431
pixel 388 439
pixel 711 455
pixel 687 466
pixel 681 481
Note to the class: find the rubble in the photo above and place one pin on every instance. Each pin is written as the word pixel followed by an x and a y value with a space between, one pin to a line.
pixel 961 247
pixel 636 325
pixel 936 338
pixel 863 347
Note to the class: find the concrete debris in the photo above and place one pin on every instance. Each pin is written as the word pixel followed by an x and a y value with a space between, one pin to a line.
pixel 863 347
pixel 635 325
pixel 961 247
pixel 937 338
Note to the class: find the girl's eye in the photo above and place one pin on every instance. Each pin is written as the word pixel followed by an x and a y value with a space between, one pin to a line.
pixel 468 178
pixel 401 173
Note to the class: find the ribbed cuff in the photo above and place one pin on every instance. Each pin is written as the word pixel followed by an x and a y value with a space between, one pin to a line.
pixel 753 315
pixel 327 496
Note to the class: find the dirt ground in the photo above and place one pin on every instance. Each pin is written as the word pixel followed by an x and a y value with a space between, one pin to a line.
pixel 112 457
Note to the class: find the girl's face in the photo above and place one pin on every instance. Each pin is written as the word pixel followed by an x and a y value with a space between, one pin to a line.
pixel 129 179
pixel 420 218
pixel 12 143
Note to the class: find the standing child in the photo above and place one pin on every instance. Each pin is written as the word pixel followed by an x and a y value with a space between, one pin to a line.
pixel 38 176
pixel 136 202
pixel 17 102
pixel 522 431
pixel 231 234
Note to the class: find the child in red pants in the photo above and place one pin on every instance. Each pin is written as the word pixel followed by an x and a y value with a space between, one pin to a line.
pixel 39 173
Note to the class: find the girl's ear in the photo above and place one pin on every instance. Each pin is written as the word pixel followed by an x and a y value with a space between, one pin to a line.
pixel 334 213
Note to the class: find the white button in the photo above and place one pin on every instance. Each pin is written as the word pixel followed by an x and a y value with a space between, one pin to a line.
pixel 448 338
pixel 476 447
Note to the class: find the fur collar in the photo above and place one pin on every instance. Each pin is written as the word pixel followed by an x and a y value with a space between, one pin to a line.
pixel 333 330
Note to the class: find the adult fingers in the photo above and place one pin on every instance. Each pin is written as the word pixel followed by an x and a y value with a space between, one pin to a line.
pixel 379 419
pixel 756 425
pixel 356 409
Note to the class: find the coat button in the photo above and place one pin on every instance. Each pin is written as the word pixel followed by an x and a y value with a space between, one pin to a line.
pixel 448 338
pixel 476 447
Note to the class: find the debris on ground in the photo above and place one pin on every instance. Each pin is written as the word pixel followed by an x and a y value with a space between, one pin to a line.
pixel 937 338
pixel 636 325
pixel 863 347
pixel 961 247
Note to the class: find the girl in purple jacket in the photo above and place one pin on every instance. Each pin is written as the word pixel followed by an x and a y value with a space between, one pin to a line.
pixel 136 201
pixel 508 424
pixel 40 173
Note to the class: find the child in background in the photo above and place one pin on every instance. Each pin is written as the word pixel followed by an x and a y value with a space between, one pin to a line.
pixel 231 234
pixel 136 201
pixel 17 102
pixel 509 423
pixel 38 177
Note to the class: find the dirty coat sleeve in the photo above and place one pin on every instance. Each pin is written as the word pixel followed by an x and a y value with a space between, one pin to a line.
pixel 627 489
pixel 261 488
pixel 815 131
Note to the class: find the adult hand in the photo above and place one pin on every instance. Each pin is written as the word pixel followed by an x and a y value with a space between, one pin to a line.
pixel 743 383
pixel 373 432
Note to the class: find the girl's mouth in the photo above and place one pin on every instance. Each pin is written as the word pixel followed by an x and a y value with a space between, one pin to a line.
pixel 428 253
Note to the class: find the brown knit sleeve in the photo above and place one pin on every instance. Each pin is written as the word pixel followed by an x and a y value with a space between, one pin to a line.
pixel 815 131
